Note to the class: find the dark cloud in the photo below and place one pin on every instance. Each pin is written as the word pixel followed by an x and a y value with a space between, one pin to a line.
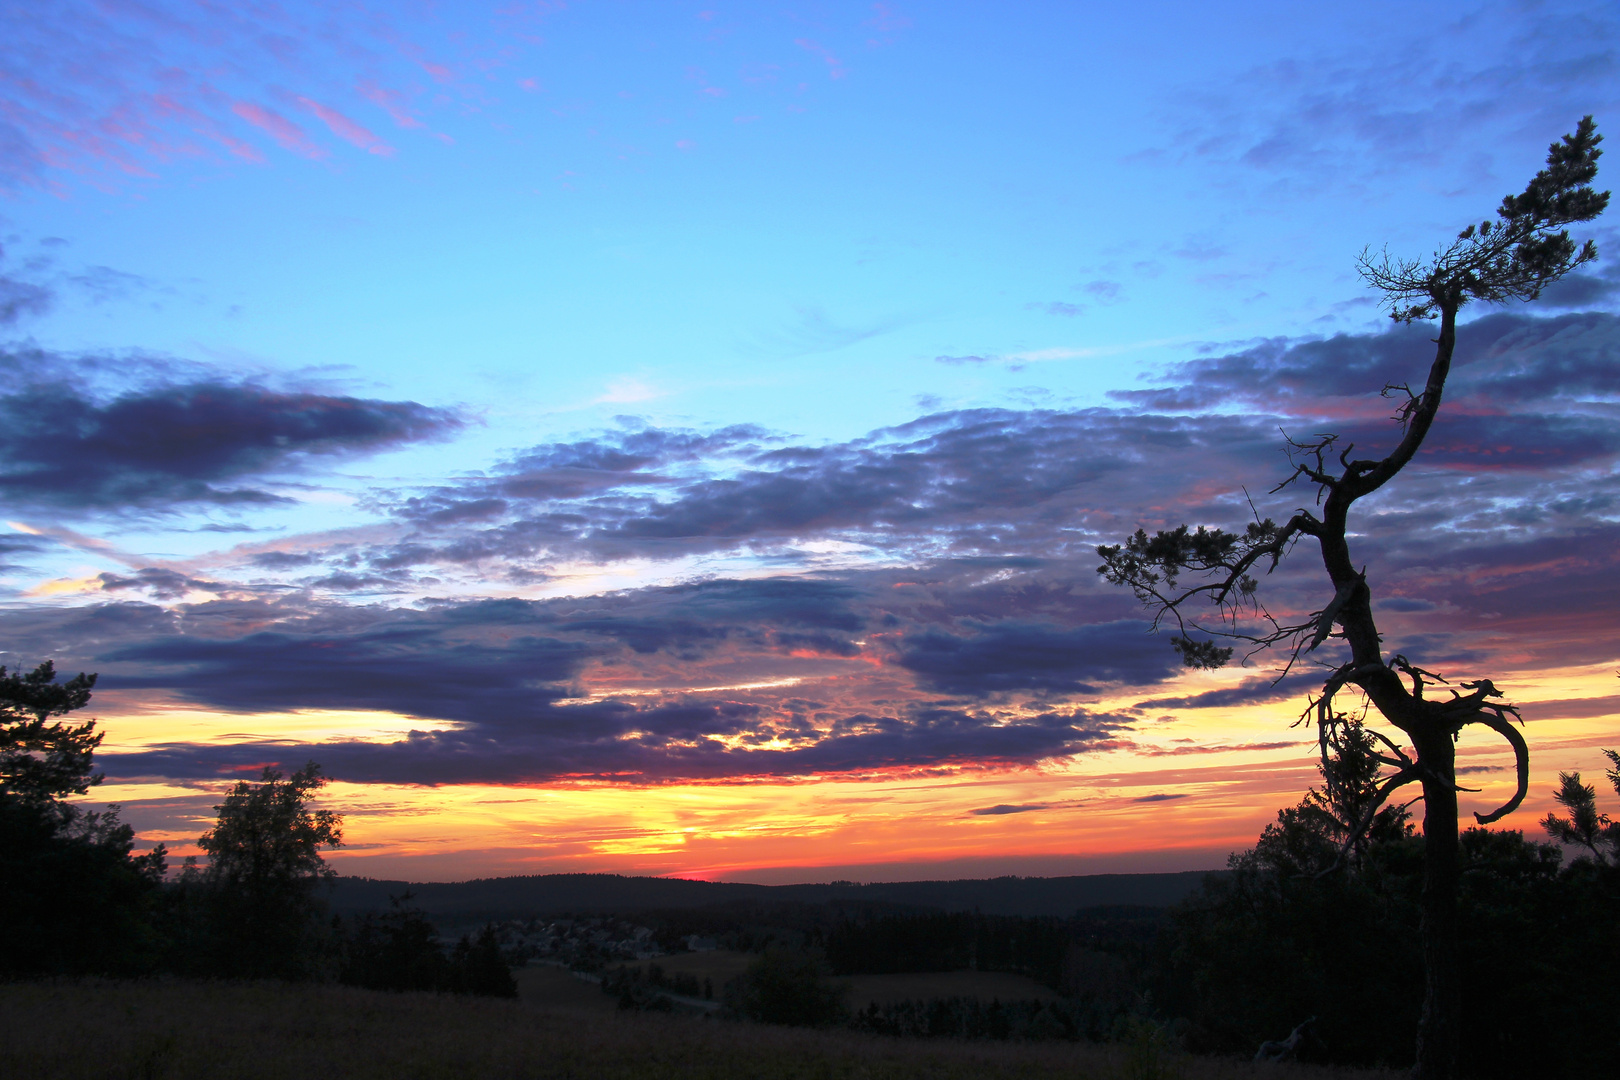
pixel 15 544
pixel 987 480
pixel 409 664
pixel 19 298
pixel 1008 808
pixel 61 447
pixel 556 471
pixel 630 744
pixel 1586 290
pixel 510 676
pixel 1159 798
pixel 158 583
pixel 1014 657
pixel 1504 358
pixel 283 560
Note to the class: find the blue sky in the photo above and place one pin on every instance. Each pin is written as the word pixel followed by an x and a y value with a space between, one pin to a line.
pixel 351 321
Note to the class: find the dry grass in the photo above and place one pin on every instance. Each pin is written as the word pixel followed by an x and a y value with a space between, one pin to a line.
pixel 177 1030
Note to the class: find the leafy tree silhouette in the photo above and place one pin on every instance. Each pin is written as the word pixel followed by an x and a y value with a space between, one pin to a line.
pixel 1515 256
pixel 264 863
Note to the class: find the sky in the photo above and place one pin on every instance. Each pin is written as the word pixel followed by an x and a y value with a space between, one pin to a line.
pixel 674 438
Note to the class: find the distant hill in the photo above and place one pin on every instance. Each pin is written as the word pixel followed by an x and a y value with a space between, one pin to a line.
pixel 606 894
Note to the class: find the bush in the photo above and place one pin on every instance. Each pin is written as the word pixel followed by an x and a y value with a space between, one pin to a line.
pixel 787 987
pixel 399 950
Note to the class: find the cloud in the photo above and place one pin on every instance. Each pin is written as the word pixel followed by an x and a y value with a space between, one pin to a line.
pixel 1526 394
pixel 347 129
pixel 963 621
pixel 813 331
pixel 1006 808
pixel 657 744
pixel 159 583
pixel 194 442
pixel 14 544
pixel 1218 748
pixel 1249 692
pixel 979 481
pixel 19 298
pixel 1584 290
pixel 1021 657
pixel 286 133
pixel 506 675
pixel 1340 116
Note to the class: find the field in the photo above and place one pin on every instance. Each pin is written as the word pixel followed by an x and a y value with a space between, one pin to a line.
pixel 182 1030
pixel 720 965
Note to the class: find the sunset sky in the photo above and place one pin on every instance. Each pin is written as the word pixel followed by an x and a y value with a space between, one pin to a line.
pixel 674 439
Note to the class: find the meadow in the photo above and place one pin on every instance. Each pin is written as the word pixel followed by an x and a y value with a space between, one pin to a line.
pixel 171 1029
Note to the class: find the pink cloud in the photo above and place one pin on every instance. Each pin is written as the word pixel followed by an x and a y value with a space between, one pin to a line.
pixel 344 128
pixel 288 134
pixel 439 72
pixel 169 106
pixel 390 101
pixel 835 66
pixel 886 20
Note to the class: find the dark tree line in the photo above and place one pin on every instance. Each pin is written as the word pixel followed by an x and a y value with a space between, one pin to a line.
pixel 75 898
pixel 1049 950
pixel 1277 941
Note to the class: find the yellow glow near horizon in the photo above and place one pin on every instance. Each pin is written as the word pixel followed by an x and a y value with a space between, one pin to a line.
pixel 161 725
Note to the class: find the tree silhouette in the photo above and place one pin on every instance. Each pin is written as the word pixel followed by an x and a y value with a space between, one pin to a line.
pixel 41 761
pixel 264 861
pixel 1516 255
pixel 1584 826
pixel 75 899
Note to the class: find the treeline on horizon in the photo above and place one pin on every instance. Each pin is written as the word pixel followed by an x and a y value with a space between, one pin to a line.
pixel 521 896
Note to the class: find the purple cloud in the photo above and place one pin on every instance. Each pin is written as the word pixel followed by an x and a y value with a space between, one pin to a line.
pixel 194 442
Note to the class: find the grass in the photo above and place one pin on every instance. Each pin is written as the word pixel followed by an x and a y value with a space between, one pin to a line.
pixel 188 1030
